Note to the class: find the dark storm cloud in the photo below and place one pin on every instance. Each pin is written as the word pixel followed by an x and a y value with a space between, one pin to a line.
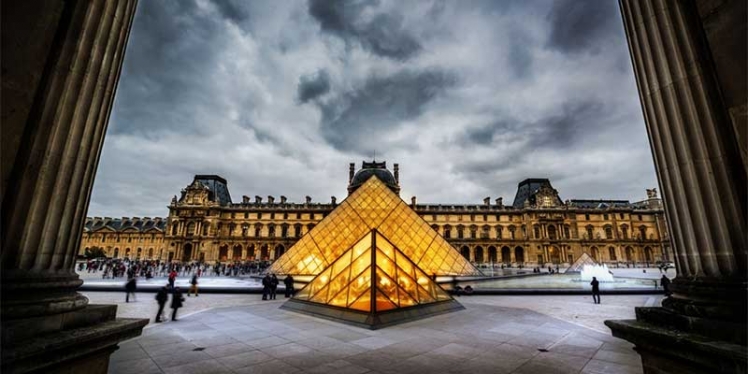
pixel 560 130
pixel 577 25
pixel 170 49
pixel 383 35
pixel 357 120
pixel 232 10
pixel 313 86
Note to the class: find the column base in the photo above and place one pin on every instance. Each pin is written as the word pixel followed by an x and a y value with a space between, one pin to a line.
pixel 82 346
pixel 667 348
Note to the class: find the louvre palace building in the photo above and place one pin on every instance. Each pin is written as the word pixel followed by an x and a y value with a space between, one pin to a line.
pixel 537 229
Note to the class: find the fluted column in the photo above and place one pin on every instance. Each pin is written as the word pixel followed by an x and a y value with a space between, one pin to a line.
pixel 48 172
pixel 698 162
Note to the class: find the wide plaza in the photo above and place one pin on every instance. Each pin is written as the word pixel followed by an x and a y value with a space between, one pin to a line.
pixel 494 334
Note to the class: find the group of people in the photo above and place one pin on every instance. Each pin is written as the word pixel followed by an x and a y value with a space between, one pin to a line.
pixel 664 282
pixel 270 285
pixel 177 301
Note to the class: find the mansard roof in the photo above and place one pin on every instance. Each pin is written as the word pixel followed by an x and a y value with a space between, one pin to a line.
pixel 124 224
pixel 600 204
pixel 219 190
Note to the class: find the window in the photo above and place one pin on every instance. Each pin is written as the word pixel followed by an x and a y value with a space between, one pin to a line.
pixel 447 231
pixel 313 216
pixel 298 215
pixel 625 232
pixel 272 215
pixel 433 217
pixel 191 228
pixel 460 232
pixel 498 217
pixel 259 215
pixel 640 217
pixel 245 229
pixel 472 217
pixel 511 232
pixel 622 216
pixel 612 254
pixel 233 215
pixel 567 233
pixel 246 215
pixel 608 232
pixel 205 229
pixel 587 217
pixel 284 231
pixel 643 232
pixel 485 218
pixel 232 226
pixel 498 232
pixel 605 217
pixel 297 230
pixel 271 231
pixel 551 232
pixel 258 230
pixel 536 231
pixel 285 215
pixel 590 233
pixel 473 232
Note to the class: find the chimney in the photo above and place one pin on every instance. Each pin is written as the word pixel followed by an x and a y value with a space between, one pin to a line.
pixel 351 171
pixel 270 199
pixel 397 174
pixel 245 199
pixel 487 201
pixel 308 200
pixel 258 200
pixel 333 199
pixel 412 200
pixel 283 199
pixel 500 201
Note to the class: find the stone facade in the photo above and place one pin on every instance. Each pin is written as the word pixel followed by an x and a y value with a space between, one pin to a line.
pixel 538 229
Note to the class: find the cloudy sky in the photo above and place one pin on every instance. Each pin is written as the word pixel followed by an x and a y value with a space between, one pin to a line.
pixel 469 97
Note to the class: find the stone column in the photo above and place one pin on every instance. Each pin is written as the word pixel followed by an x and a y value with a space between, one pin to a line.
pixel 702 326
pixel 61 64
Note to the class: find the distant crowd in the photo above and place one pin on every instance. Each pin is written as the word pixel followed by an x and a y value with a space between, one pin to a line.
pixel 119 268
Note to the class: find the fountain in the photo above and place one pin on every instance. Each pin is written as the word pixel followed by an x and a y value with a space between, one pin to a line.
pixel 600 272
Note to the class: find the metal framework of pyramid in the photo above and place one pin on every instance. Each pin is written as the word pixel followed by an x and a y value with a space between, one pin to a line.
pixel 578 265
pixel 373 206
pixel 372 284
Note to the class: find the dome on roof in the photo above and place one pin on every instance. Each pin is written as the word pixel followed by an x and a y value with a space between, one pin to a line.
pixel 374 169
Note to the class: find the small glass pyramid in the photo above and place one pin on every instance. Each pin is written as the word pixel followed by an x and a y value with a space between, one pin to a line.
pixel 372 284
pixel 373 206
pixel 578 265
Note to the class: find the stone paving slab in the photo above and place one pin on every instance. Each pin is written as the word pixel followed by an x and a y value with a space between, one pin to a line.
pixel 485 338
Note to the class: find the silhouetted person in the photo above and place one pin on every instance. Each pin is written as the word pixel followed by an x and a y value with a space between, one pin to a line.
pixel 176 302
pixel 161 297
pixel 288 282
pixel 266 286
pixel 468 290
pixel 130 287
pixel 665 283
pixel 273 286
pixel 595 290
pixel 193 287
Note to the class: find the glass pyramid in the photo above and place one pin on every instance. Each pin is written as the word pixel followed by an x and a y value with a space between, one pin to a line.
pixel 578 265
pixel 372 206
pixel 374 284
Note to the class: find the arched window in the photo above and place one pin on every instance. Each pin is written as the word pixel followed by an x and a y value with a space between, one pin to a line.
pixel 590 232
pixel 552 232
pixel 297 230
pixel 271 230
pixel 612 254
pixel 258 230
pixel 460 232
pixel 567 232
pixel 284 231
pixel 245 229
pixel 447 231
pixel 435 228
pixel 643 232
pixel 608 232
pixel 191 228
pixel 625 232
pixel 473 231
pixel 536 231
pixel 499 232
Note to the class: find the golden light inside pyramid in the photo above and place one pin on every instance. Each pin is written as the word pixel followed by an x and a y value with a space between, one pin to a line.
pixel 372 283
pixel 373 206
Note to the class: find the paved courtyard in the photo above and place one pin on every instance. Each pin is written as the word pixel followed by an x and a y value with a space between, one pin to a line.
pixel 495 334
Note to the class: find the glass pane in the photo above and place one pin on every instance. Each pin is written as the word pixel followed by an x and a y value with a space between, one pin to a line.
pixel 385 263
pixel 386 284
pixel 383 303
pixel 361 263
pixel 318 284
pixel 363 303
pixel 384 246
pixel 360 285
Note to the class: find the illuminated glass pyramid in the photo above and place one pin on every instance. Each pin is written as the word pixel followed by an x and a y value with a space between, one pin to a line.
pixel 372 284
pixel 373 206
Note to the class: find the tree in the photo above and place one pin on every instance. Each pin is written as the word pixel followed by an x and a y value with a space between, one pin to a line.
pixel 94 252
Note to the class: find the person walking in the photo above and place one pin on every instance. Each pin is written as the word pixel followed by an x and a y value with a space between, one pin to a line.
pixel 193 287
pixel 273 286
pixel 161 297
pixel 177 301
pixel 266 286
pixel 130 287
pixel 288 282
pixel 665 283
pixel 172 278
pixel 595 290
